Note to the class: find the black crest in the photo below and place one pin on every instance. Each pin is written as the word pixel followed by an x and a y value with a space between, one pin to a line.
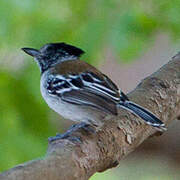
pixel 63 48
pixel 53 53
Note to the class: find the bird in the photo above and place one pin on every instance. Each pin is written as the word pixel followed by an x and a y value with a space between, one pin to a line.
pixel 80 92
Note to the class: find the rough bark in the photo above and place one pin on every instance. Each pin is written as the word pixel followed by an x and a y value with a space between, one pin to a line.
pixel 95 152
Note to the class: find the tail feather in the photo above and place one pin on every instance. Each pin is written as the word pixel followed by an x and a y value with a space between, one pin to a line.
pixel 146 115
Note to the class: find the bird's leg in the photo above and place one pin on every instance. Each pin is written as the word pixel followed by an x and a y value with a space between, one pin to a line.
pixel 86 127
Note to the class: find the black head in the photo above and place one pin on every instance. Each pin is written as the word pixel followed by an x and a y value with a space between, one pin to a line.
pixel 53 53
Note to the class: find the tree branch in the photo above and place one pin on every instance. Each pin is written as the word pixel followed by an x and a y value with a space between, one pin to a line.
pixel 70 160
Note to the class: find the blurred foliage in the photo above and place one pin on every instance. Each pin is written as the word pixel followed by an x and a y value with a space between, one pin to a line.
pixel 127 28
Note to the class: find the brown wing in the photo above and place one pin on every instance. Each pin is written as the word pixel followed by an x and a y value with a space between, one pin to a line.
pixel 75 67
pixel 82 84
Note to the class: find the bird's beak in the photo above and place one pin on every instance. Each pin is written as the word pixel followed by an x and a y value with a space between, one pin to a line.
pixel 31 51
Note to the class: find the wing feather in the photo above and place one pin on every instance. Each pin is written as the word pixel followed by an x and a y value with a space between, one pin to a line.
pixel 86 89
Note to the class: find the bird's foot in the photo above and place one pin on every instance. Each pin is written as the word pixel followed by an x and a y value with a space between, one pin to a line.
pixel 73 128
pixel 63 136
pixel 86 127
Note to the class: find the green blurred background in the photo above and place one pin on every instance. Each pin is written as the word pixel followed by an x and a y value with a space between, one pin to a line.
pixel 115 34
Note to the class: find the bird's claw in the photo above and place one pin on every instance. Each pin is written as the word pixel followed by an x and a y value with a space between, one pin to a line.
pixel 73 128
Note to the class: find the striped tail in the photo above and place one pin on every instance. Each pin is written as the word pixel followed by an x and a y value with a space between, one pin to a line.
pixel 143 113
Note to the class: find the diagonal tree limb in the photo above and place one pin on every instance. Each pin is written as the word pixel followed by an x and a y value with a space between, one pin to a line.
pixel 70 160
